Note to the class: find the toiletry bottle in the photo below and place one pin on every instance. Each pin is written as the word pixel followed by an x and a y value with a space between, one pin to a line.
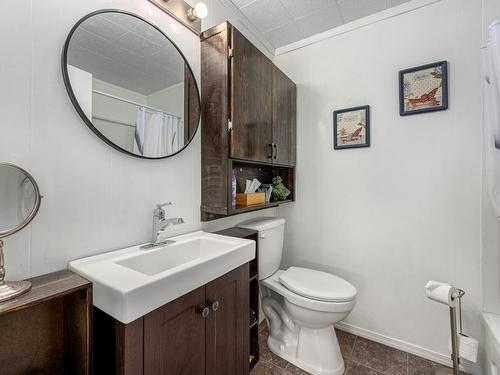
pixel 233 183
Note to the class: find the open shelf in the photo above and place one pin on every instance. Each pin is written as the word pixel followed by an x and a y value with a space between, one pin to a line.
pixel 253 362
pixel 216 208
pixel 255 207
pixel 48 329
pixel 253 325
pixel 254 345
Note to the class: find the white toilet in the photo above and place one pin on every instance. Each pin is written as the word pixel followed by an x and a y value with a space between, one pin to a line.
pixel 301 305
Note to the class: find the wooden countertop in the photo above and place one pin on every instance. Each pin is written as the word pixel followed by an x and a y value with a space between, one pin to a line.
pixel 46 287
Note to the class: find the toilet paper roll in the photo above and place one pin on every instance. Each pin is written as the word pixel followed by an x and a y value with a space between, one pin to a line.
pixel 441 292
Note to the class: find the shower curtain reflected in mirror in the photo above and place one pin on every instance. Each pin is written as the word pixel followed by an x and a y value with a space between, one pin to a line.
pixel 157 134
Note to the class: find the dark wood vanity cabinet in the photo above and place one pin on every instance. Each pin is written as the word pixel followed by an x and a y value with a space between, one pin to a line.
pixel 174 337
pixel 248 119
pixel 179 338
pixel 227 335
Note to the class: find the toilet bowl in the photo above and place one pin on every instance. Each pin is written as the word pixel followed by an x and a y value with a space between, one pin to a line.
pixel 301 305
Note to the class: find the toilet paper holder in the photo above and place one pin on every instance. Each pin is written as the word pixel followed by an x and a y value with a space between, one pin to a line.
pixel 467 346
pixel 461 345
pixel 460 294
pixel 455 357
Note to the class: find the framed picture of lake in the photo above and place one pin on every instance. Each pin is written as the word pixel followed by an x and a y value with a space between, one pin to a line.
pixel 423 89
pixel 351 127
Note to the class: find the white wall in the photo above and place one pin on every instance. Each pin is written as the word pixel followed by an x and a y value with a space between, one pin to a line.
pixel 95 198
pixel 387 218
pixel 170 99
pixel 406 210
pixel 108 108
pixel 81 84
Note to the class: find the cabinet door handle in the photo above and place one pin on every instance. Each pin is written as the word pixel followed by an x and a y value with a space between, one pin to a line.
pixel 272 150
pixel 277 151
pixel 215 305
pixel 205 312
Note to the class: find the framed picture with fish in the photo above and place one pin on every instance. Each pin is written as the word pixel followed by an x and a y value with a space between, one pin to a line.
pixel 351 127
pixel 423 89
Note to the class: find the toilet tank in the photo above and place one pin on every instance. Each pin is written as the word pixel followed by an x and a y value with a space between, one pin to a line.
pixel 270 247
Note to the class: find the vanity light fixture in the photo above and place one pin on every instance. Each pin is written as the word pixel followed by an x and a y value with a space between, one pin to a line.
pixel 200 10
pixel 183 12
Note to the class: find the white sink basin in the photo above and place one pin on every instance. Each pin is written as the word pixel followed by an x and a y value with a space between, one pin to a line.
pixel 132 282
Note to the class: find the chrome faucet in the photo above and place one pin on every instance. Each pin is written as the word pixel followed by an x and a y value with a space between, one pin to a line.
pixel 160 223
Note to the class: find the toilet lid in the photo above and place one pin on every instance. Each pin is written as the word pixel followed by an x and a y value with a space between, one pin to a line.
pixel 317 285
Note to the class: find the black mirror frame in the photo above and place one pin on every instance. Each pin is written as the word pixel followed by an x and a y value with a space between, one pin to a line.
pixel 76 104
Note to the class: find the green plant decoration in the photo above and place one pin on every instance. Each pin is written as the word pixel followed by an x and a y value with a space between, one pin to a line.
pixel 280 192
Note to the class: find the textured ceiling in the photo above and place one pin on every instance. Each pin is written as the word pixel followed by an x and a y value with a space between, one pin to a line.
pixel 126 52
pixel 286 21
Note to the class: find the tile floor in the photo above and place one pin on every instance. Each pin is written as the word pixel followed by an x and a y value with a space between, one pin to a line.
pixel 361 356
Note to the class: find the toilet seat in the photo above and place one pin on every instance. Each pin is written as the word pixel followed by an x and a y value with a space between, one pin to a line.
pixel 273 283
pixel 317 285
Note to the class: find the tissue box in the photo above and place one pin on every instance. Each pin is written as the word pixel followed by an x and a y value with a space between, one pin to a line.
pixel 250 199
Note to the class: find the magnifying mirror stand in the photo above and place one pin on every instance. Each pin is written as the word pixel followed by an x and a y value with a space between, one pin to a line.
pixel 10 289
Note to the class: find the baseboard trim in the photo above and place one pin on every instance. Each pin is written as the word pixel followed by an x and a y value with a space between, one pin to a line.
pixel 470 368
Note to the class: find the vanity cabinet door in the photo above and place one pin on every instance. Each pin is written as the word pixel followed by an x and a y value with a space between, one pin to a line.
pixel 284 118
pixel 174 337
pixel 227 337
pixel 251 101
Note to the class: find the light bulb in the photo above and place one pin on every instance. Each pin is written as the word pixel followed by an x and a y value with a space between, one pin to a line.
pixel 200 10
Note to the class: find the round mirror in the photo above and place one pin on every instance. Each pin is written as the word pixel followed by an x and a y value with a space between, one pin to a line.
pixel 19 199
pixel 19 202
pixel 131 84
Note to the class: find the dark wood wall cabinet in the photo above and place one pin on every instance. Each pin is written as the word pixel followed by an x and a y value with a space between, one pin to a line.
pixel 48 329
pixel 248 120
pixel 204 332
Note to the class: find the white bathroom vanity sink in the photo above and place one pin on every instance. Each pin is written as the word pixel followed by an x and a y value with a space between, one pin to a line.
pixel 132 282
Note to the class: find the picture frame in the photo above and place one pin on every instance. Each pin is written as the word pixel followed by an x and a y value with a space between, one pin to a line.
pixel 351 127
pixel 423 89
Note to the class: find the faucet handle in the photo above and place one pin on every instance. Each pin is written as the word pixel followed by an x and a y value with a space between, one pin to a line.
pixel 161 205
pixel 160 212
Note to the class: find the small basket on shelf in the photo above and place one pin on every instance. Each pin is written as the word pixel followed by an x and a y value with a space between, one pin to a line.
pixel 250 199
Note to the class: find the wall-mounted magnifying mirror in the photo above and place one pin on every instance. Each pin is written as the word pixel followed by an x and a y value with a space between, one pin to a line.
pixel 19 202
pixel 131 84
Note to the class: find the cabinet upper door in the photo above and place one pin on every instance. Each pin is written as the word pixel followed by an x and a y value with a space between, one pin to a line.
pixel 228 334
pixel 284 118
pixel 251 101
pixel 174 337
